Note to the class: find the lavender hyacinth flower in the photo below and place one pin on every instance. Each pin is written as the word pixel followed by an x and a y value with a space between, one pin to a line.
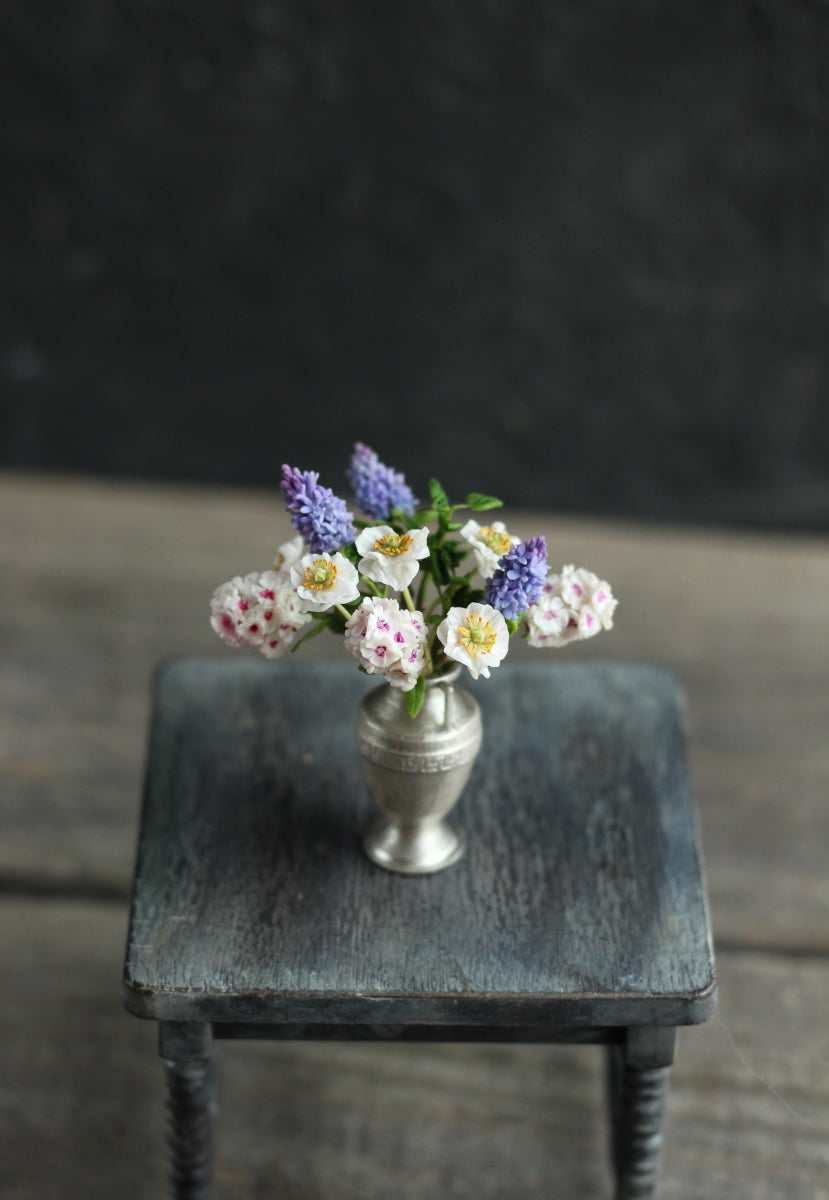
pixel 377 487
pixel 518 579
pixel 320 516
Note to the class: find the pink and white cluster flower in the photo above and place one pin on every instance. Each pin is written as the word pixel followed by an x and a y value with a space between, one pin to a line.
pixel 260 610
pixel 573 606
pixel 388 640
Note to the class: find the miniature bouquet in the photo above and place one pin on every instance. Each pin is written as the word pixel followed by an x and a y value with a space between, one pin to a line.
pixel 411 590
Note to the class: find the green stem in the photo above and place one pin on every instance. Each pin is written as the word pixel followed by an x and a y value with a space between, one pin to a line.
pixel 343 612
pixel 421 591
pixel 437 600
pixel 407 596
pixel 312 632
pixel 446 597
pixel 431 642
pixel 371 585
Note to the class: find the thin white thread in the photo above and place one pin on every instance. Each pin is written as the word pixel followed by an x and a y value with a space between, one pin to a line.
pixel 762 1079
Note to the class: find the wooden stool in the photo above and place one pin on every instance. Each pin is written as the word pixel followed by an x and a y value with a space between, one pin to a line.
pixel 578 914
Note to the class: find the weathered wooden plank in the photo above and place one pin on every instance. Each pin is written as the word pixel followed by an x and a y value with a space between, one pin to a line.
pixel 82 1098
pixel 102 580
pixel 580 899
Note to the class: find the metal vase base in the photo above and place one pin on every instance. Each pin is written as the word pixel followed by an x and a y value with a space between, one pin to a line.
pixel 414 849
pixel 416 770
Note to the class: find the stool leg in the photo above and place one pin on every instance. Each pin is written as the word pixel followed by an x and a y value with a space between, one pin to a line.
pixel 615 1062
pixel 638 1088
pixel 638 1132
pixel 190 1070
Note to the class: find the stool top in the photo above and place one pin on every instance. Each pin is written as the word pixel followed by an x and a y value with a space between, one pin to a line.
pixel 580 900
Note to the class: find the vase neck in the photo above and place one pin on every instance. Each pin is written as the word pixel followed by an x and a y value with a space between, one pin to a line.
pixel 451 676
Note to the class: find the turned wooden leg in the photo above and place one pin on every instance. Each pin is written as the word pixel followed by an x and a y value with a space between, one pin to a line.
pixel 190 1077
pixel 615 1066
pixel 638 1140
pixel 638 1090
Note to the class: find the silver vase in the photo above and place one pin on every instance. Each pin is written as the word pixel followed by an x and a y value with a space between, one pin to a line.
pixel 416 770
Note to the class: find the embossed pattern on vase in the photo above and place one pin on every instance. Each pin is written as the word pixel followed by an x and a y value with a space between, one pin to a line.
pixel 416 770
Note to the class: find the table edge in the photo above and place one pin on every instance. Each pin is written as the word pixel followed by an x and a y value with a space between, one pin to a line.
pixel 337 1007
pixel 597 1009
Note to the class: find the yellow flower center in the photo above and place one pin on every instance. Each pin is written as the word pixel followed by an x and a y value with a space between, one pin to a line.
pixel 320 575
pixel 477 636
pixel 392 545
pixel 497 540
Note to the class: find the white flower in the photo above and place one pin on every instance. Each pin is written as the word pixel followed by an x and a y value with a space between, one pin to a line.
pixel 405 670
pixel 602 599
pixel 392 558
pixel 574 605
pixel 590 597
pixel 476 636
pixel 550 622
pixel 260 610
pixel 489 543
pixel 369 633
pixel 226 608
pixel 386 639
pixel 323 580
pixel 288 553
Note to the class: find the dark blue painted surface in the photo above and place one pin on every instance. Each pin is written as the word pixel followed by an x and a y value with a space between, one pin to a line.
pixel 580 899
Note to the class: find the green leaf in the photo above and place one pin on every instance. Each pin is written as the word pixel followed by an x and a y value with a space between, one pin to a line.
pixel 476 596
pixel 479 502
pixel 312 632
pixel 511 625
pixel 459 590
pixel 459 551
pixel 336 621
pixel 439 498
pixel 453 553
pixel 403 519
pixel 454 526
pixel 351 553
pixel 415 696
pixel 445 564
pixel 424 515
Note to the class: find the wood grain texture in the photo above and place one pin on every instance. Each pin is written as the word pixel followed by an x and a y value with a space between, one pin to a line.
pixel 580 897
pixel 100 581
pixel 82 1101
pixel 119 576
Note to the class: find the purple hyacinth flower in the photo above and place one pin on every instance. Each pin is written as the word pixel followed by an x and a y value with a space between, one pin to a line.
pixel 518 579
pixel 377 487
pixel 320 516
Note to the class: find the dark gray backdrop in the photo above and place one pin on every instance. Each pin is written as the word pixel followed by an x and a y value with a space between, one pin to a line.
pixel 576 253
